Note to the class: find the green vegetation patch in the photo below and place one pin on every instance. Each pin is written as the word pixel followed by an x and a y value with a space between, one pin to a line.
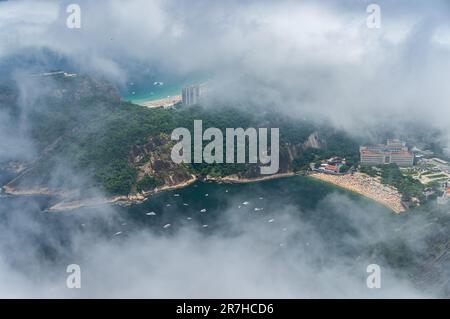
pixel 406 185
pixel 148 183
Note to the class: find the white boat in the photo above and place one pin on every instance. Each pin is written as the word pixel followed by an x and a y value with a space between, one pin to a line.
pixel 118 233
pixel 176 195
pixel 203 210
pixel 245 203
pixel 184 204
pixel 189 218
pixel 271 220
pixel 168 205
pixel 167 225
pixel 258 209
pixel 204 226
pixel 206 195
pixel 151 214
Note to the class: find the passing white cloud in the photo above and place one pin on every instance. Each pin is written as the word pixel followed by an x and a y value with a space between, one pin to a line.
pixel 304 57
pixel 291 257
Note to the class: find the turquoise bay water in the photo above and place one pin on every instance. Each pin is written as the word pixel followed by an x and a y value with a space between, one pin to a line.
pixel 296 215
pixel 150 92
pixel 151 88
pixel 211 204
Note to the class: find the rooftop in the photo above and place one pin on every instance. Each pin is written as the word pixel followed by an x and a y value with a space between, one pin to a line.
pixel 384 152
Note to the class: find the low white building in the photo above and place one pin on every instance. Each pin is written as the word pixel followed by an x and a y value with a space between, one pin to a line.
pixel 394 151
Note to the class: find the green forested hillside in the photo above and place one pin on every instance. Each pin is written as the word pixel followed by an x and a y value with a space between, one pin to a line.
pixel 83 123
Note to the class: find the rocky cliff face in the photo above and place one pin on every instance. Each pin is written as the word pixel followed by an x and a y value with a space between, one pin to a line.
pixel 67 122
pixel 154 159
pixel 88 88
pixel 290 152
pixel 314 141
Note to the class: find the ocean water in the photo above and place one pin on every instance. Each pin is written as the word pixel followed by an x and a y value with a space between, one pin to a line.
pixel 260 201
pixel 150 92
pixel 149 88
pixel 295 215
pixel 5 176
pixel 206 207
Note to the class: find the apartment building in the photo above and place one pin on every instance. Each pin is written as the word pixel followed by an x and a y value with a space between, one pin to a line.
pixel 394 151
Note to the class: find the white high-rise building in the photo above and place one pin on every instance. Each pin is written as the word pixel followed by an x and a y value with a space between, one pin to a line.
pixel 190 95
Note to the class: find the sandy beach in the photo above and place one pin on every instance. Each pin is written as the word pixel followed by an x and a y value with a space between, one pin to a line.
pixel 367 186
pixel 166 102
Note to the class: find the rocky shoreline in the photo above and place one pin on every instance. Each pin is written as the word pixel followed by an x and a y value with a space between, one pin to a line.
pixel 359 183
pixel 123 199
pixel 235 179
pixel 68 204
pixel 138 198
